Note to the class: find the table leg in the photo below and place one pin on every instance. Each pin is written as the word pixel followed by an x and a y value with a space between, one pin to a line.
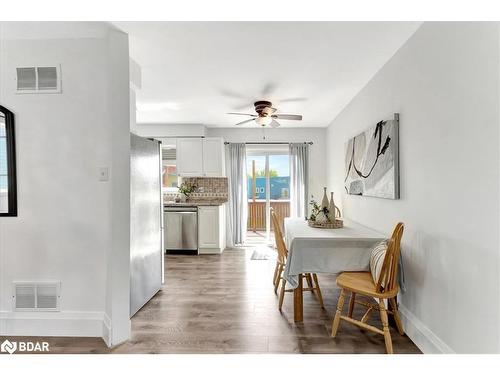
pixel 298 308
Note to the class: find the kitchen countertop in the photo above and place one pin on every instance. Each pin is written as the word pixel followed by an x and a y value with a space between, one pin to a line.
pixel 206 202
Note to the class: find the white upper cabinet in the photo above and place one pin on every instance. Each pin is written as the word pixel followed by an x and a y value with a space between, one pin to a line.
pixel 200 157
pixel 213 161
pixel 190 157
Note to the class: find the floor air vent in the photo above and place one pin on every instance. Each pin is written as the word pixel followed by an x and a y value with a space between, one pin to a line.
pixel 36 296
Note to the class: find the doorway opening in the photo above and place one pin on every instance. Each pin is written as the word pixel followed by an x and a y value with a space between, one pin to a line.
pixel 268 180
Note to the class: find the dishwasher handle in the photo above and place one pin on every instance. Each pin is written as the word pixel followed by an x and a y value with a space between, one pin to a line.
pixel 181 209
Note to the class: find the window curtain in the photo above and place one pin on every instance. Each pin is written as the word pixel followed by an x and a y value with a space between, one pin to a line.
pixel 237 207
pixel 299 177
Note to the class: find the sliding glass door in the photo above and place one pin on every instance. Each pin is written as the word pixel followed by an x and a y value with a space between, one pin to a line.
pixel 268 186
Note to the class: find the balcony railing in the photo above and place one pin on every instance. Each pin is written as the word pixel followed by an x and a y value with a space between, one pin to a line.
pixel 257 213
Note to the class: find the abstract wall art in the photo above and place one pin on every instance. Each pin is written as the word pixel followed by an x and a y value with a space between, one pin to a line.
pixel 372 161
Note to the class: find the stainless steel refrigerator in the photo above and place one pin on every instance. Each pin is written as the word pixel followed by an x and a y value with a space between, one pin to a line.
pixel 146 221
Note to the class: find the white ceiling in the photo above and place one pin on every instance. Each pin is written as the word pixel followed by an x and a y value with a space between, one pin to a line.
pixel 195 72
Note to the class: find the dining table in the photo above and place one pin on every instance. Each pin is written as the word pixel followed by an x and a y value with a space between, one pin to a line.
pixel 321 250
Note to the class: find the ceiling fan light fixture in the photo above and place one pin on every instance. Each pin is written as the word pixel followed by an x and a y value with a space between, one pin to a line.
pixel 265 115
pixel 263 121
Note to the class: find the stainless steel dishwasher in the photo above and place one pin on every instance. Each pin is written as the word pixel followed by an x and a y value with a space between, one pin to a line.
pixel 181 228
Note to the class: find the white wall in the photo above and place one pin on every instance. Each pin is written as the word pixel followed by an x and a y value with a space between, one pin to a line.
pixel 119 122
pixel 317 164
pixel 444 82
pixel 70 227
pixel 169 130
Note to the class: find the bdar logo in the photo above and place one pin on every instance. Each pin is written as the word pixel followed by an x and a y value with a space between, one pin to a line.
pixel 23 346
pixel 8 347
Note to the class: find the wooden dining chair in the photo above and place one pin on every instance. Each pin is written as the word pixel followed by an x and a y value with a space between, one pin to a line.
pixel 282 252
pixel 311 278
pixel 380 283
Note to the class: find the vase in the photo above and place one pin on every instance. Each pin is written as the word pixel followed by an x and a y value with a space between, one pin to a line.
pixel 324 202
pixel 331 209
pixel 321 218
pixel 184 197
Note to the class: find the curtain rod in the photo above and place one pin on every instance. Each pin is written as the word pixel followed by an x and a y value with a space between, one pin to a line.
pixel 269 143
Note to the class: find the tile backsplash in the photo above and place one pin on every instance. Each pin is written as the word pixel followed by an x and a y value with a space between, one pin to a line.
pixel 208 185
pixel 209 188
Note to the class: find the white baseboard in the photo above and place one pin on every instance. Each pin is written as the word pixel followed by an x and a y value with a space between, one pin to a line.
pixel 64 323
pixel 98 324
pixel 106 329
pixel 426 340
pixel 210 251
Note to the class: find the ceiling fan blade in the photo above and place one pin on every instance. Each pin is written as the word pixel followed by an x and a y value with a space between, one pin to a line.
pixel 274 124
pixel 232 94
pixel 243 107
pixel 287 117
pixel 241 114
pixel 244 122
pixel 268 89
pixel 296 99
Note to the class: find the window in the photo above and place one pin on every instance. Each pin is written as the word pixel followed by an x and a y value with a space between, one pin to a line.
pixel 170 179
pixel 268 181
pixel 3 166
pixel 169 176
pixel 279 176
pixel 8 197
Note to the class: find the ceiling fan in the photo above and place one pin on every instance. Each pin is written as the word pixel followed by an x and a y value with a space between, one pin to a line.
pixel 266 115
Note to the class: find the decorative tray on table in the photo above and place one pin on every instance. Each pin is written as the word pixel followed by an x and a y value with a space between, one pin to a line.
pixel 338 223
pixel 327 215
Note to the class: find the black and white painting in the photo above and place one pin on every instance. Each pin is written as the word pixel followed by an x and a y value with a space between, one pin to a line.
pixel 371 158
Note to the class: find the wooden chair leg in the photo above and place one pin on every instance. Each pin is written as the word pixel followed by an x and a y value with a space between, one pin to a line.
pixel 275 277
pixel 385 324
pixel 351 304
pixel 395 313
pixel 336 320
pixel 318 291
pixel 282 294
pixel 309 281
pixel 278 278
pixel 365 317
pixel 298 301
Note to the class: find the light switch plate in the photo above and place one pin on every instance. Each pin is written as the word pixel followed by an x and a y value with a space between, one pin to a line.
pixel 103 174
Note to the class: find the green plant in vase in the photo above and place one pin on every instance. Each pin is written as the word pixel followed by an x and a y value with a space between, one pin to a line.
pixel 317 213
pixel 187 189
pixel 314 209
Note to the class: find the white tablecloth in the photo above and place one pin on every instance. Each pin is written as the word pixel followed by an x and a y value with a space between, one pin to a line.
pixel 327 250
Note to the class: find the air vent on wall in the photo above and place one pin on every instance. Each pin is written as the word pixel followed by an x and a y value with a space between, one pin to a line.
pixel 38 80
pixel 36 296
pixel 169 154
pixel 25 295
pixel 26 79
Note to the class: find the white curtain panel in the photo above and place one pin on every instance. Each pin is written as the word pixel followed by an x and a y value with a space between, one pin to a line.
pixel 299 177
pixel 237 207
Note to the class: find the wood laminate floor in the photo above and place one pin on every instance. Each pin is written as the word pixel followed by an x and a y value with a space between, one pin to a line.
pixel 226 304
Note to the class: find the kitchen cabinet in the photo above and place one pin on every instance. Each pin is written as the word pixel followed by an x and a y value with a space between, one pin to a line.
pixel 200 157
pixel 211 229
pixel 190 157
pixel 213 160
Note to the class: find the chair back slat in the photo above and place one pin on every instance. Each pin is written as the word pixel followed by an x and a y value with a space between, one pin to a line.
pixel 387 280
pixel 278 237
